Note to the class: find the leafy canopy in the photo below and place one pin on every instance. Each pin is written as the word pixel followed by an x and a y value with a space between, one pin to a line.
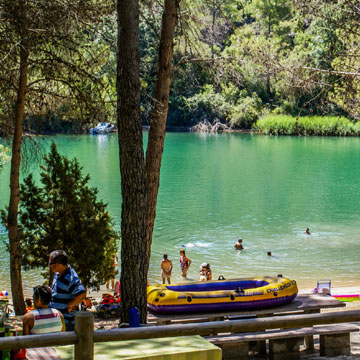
pixel 4 155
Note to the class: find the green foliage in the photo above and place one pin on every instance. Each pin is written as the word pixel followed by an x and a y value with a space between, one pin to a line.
pixel 69 62
pixel 231 105
pixel 208 104
pixel 245 113
pixel 293 55
pixel 307 125
pixel 4 157
pixel 64 213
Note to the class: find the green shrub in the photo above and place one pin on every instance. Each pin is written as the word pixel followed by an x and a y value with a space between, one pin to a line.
pixel 245 113
pixel 231 105
pixel 209 105
pixel 307 126
pixel 286 107
pixel 64 213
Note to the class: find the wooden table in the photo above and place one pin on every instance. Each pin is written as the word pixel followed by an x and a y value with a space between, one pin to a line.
pixel 303 304
pixel 173 348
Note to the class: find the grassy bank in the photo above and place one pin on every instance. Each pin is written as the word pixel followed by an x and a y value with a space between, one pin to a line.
pixel 307 126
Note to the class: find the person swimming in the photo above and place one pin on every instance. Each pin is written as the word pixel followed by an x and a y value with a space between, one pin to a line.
pixel 238 245
pixel 307 231
pixel 269 253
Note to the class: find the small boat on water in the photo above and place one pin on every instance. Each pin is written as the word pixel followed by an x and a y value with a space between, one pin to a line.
pixel 102 128
pixel 221 295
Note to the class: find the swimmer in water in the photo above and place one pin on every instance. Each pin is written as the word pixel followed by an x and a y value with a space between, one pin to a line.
pixel 238 245
pixel 307 231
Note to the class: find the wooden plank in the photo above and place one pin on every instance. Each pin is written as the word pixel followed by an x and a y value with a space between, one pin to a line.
pixel 302 303
pixel 175 348
pixel 282 334
pixel 215 327
pixel 19 342
pixel 207 328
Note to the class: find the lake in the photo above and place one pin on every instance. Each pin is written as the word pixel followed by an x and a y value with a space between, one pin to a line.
pixel 218 187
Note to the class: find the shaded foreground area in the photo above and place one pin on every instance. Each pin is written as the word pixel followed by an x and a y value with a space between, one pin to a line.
pixel 355 337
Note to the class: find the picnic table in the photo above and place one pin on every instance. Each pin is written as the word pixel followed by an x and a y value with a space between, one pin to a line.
pixel 173 348
pixel 303 304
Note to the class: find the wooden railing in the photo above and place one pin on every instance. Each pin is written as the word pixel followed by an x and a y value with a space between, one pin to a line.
pixel 84 336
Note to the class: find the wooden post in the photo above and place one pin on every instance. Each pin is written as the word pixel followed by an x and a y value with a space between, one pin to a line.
pixel 309 340
pixel 84 329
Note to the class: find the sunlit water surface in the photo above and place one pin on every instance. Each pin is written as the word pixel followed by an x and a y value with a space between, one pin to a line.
pixel 216 188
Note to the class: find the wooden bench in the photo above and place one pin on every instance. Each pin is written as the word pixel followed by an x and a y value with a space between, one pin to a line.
pixel 303 304
pixel 285 344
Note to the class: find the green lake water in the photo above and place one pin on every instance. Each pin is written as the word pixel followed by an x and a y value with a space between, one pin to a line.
pixel 216 188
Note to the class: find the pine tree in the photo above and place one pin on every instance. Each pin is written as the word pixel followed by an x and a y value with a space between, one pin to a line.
pixel 64 213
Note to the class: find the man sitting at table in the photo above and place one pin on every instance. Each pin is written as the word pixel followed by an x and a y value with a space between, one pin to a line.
pixel 43 319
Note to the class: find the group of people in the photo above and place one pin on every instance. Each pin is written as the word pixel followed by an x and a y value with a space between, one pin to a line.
pixel 205 271
pixel 54 308
pixel 239 246
pixel 166 266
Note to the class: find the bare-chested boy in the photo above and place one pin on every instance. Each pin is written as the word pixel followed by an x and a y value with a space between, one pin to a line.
pixel 166 268
pixel 238 245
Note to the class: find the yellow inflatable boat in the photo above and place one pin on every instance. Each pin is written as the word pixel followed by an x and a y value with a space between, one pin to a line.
pixel 231 295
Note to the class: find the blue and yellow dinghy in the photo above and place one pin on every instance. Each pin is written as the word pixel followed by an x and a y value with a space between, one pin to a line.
pixel 221 295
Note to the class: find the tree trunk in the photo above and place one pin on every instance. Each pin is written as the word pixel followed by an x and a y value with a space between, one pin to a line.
pixel 15 250
pixel 132 164
pixel 213 32
pixel 155 146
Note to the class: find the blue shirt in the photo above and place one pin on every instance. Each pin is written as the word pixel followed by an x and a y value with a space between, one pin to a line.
pixel 65 288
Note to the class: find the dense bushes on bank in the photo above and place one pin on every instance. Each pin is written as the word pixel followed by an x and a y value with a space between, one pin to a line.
pixel 307 125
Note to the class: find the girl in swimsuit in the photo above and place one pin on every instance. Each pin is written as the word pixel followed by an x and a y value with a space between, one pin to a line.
pixel 184 263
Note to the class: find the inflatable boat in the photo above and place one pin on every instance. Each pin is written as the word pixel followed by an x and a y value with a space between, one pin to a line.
pixel 221 295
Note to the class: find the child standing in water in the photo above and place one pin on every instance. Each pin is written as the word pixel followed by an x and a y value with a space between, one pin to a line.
pixel 205 272
pixel 184 263
pixel 166 268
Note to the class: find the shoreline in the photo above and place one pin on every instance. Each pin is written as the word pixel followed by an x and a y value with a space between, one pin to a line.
pixel 335 290
pixel 345 290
